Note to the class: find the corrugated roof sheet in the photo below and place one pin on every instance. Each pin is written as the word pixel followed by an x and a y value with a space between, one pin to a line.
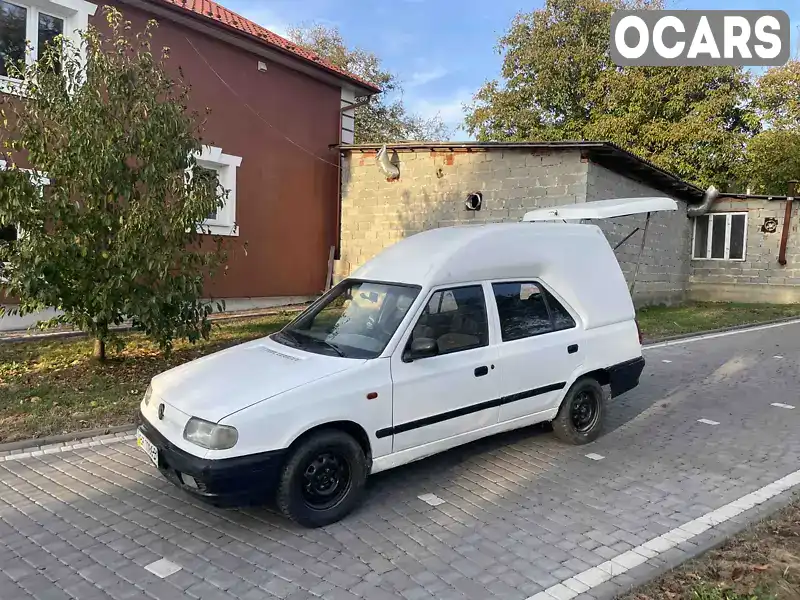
pixel 220 14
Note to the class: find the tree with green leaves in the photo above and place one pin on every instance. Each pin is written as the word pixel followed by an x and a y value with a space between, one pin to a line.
pixel 559 83
pixel 378 118
pixel 773 155
pixel 113 235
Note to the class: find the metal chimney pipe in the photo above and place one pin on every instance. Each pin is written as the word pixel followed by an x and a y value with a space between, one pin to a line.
pixel 697 210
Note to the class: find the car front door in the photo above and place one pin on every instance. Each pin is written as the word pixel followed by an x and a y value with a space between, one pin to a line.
pixel 539 351
pixel 440 395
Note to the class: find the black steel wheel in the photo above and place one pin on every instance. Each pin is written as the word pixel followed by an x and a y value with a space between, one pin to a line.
pixel 580 418
pixel 323 479
pixel 584 411
pixel 326 480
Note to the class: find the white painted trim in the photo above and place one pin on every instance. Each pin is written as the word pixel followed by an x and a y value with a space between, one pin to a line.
pixel 226 166
pixel 728 228
pixel 589 579
pixel 348 116
pixel 74 13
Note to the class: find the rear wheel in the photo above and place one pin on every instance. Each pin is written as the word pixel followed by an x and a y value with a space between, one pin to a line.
pixel 580 418
pixel 323 480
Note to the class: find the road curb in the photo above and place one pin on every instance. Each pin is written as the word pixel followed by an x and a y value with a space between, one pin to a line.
pixel 685 336
pixel 65 438
pixel 25 335
pixel 647 574
pixel 104 431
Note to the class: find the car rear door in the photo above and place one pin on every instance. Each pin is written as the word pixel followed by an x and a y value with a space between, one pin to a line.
pixel 540 347
pixel 445 395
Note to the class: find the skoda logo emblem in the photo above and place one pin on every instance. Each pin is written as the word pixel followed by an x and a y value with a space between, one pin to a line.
pixel 161 412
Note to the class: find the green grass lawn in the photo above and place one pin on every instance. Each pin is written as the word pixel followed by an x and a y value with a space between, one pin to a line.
pixel 52 386
pixel 660 321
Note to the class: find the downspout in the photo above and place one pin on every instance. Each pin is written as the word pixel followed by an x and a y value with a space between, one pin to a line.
pixel 787 217
pixel 698 210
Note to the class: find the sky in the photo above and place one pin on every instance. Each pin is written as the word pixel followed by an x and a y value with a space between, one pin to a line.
pixel 442 50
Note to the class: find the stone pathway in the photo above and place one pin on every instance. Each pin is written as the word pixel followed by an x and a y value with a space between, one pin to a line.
pixel 516 516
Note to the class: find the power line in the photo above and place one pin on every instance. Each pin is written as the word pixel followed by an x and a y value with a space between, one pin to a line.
pixel 255 112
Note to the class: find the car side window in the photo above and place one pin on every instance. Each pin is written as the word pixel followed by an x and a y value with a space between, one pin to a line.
pixel 522 308
pixel 561 318
pixel 455 319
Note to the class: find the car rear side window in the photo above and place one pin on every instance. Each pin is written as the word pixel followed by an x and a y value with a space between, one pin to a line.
pixel 526 309
pixel 561 318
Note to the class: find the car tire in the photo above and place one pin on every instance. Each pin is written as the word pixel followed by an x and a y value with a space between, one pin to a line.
pixel 323 479
pixel 582 413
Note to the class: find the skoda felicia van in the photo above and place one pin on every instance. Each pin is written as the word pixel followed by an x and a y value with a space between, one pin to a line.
pixel 446 337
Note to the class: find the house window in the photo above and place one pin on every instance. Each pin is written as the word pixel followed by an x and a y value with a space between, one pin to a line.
pixel 720 236
pixel 221 221
pixel 28 26
pixel 10 232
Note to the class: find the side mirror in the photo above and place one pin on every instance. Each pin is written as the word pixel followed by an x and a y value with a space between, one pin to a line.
pixel 421 348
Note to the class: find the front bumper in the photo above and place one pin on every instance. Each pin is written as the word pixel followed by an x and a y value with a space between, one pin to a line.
pixel 238 481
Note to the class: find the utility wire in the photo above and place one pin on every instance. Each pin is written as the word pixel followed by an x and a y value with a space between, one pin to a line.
pixel 255 112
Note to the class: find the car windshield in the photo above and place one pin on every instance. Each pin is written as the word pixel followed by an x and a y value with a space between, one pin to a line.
pixel 356 319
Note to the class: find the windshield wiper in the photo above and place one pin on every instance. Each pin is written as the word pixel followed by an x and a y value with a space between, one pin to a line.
pixel 325 343
pixel 288 339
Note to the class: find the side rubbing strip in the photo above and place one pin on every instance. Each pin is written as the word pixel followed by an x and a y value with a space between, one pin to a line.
pixel 468 410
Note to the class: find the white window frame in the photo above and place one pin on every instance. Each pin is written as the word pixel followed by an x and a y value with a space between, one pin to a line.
pixel 226 167
pixel 75 14
pixel 41 181
pixel 728 218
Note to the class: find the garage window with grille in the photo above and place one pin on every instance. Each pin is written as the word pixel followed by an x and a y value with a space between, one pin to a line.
pixel 720 236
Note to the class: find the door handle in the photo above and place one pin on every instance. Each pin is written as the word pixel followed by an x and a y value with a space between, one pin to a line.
pixel 481 371
pixel 572 349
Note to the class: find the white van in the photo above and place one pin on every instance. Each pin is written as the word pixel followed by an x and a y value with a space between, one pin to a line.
pixel 448 336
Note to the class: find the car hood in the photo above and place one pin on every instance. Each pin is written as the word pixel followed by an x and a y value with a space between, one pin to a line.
pixel 226 382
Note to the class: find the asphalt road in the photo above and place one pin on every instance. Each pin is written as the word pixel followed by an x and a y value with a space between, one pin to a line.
pixel 521 513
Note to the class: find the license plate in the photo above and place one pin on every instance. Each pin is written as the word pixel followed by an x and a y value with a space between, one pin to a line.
pixel 148 446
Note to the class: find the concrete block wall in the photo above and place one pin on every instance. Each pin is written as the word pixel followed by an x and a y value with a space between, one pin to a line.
pixel 664 268
pixel 433 187
pixel 759 278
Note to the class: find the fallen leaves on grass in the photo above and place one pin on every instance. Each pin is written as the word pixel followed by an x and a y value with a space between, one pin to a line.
pixel 762 563
pixel 52 386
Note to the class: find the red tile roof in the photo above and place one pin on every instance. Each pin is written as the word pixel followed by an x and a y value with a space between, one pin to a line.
pixel 220 14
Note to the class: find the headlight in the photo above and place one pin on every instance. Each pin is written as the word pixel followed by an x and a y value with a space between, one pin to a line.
pixel 148 394
pixel 210 435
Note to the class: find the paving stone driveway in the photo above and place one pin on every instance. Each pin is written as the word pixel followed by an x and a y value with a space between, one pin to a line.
pixel 521 513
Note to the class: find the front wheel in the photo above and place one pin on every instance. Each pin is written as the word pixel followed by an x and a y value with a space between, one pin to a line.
pixel 323 480
pixel 580 418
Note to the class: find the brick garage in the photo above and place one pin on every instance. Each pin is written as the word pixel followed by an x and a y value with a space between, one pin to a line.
pixel 435 180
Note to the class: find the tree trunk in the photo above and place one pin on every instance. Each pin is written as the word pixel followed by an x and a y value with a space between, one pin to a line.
pixel 100 350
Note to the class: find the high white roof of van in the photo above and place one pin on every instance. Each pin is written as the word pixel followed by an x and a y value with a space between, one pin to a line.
pixel 575 261
pixel 602 209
